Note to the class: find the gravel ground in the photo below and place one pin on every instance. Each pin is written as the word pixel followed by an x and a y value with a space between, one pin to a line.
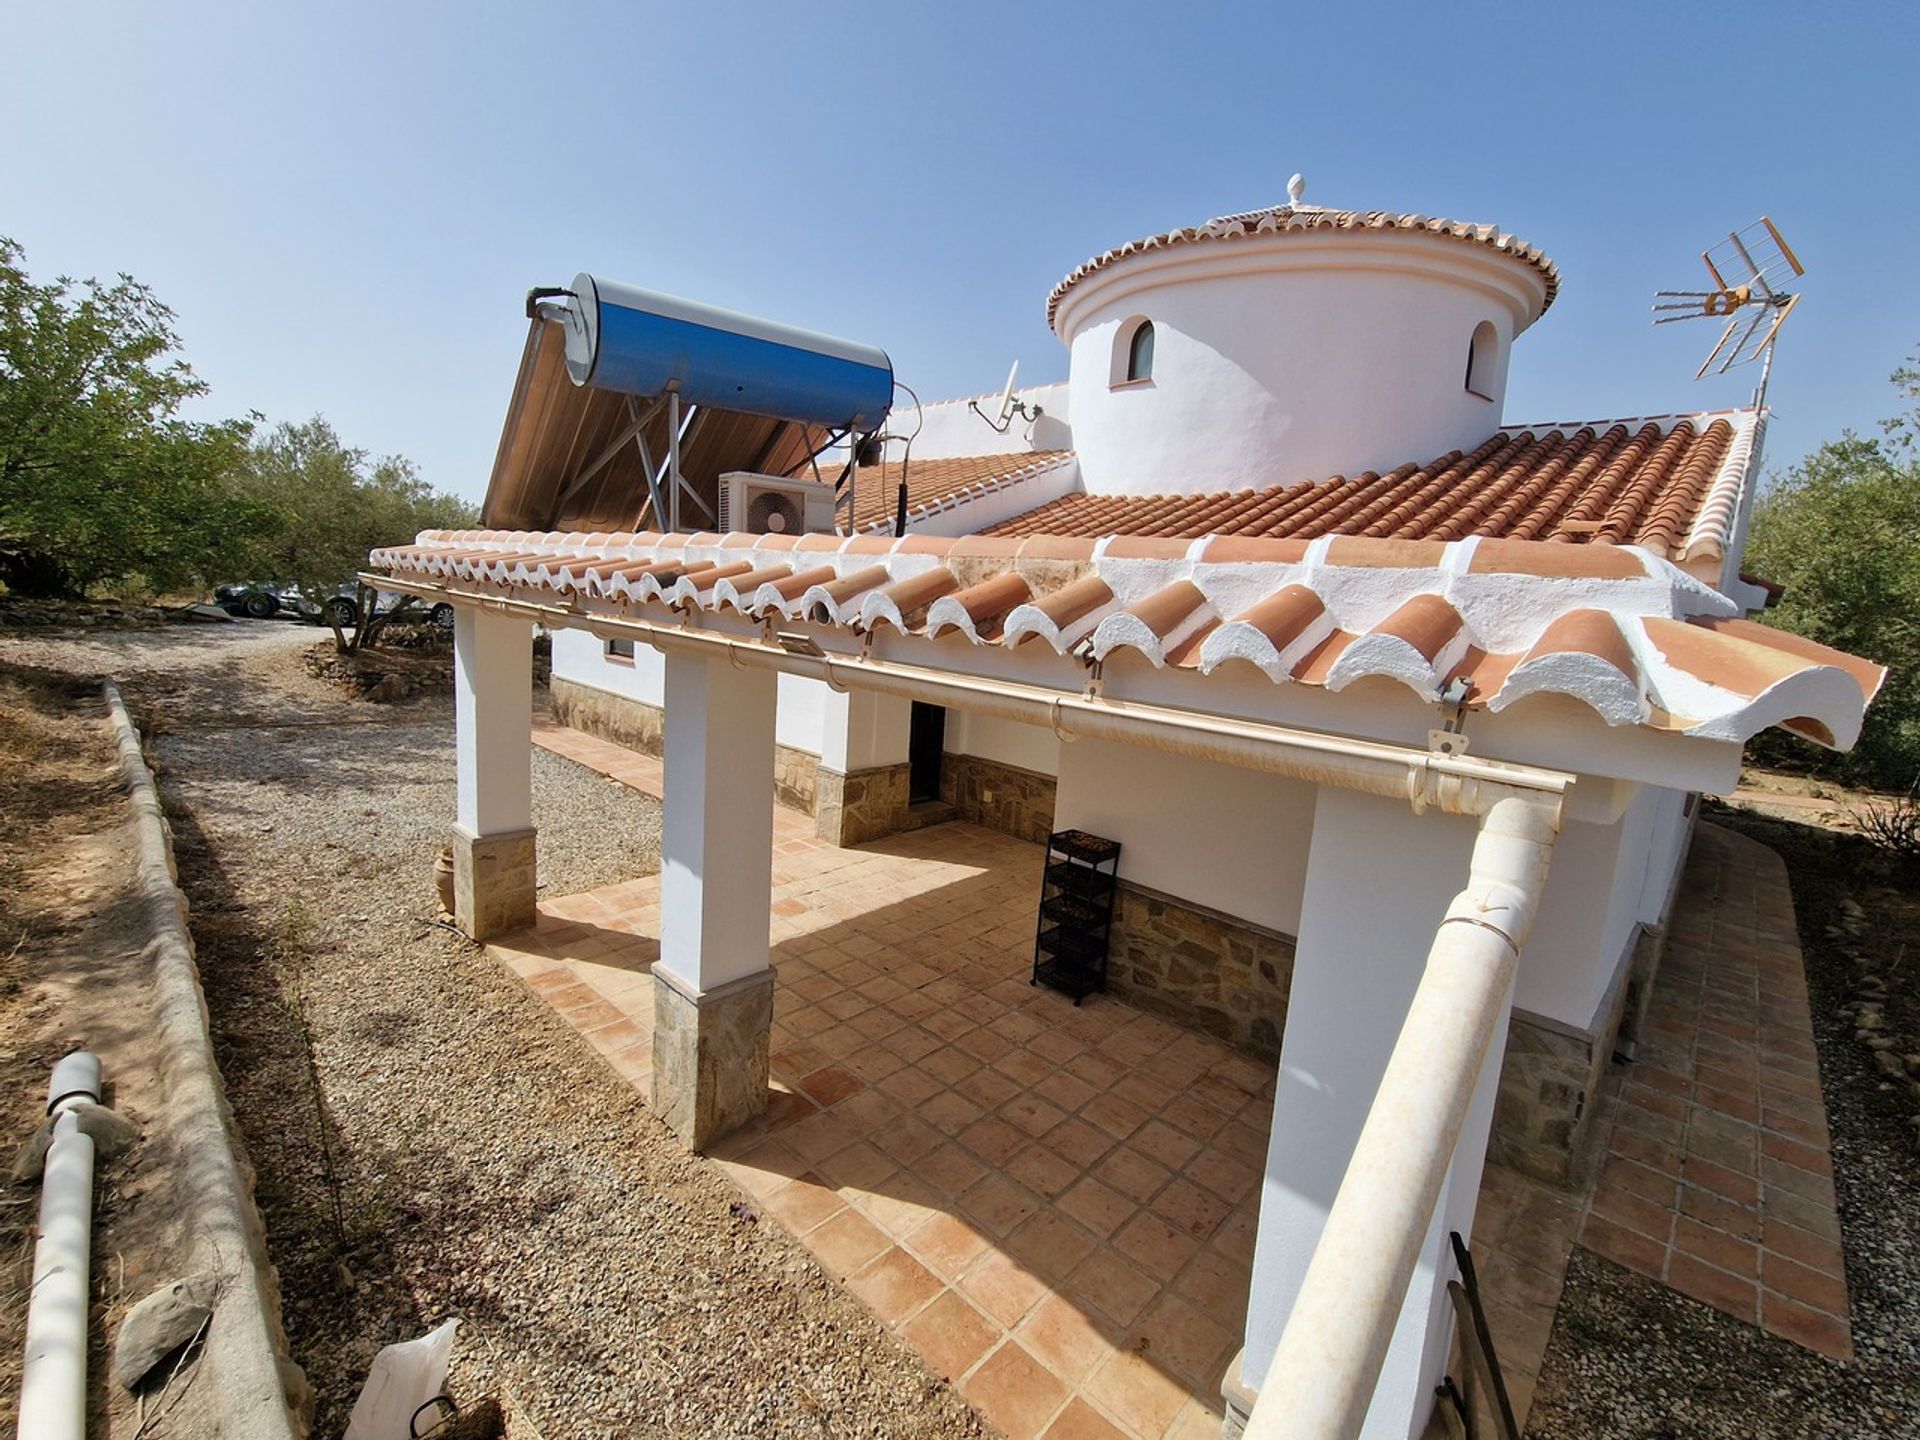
pixel 1629 1357
pixel 430 1141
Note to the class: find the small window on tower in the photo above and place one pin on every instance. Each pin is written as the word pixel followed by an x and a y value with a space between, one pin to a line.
pixel 1482 360
pixel 1140 352
pixel 620 652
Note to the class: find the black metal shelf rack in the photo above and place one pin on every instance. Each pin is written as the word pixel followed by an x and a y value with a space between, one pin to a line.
pixel 1076 913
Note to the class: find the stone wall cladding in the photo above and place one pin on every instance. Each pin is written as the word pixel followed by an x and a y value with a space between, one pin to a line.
pixel 631 723
pixel 861 805
pixel 640 726
pixel 796 779
pixel 1197 967
pixel 1229 978
pixel 1000 797
pixel 1549 1080
pixel 710 1055
pixel 495 883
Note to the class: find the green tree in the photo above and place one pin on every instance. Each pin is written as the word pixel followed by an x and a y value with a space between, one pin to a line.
pixel 1841 531
pixel 333 505
pixel 100 480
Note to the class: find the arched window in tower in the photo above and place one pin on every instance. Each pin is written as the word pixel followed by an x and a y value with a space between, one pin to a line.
pixel 1140 352
pixel 1483 353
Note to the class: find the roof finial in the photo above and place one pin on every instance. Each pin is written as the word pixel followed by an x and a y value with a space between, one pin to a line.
pixel 1296 187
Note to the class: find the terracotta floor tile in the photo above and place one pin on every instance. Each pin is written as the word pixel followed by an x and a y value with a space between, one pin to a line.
pixel 948 1170
pixel 803 1203
pixel 1048 1244
pixel 1100 1208
pixel 1809 1287
pixel 1017 1393
pixel 846 1242
pixel 1114 1286
pixel 1068 1338
pixel 1041 1170
pixel 1000 1286
pixel 858 1167
pixel 894 1285
pixel 1132 1174
pixel 1176 1336
pixel 1143 1398
pixel 1080 1421
pixel 1815 1329
pixel 1739 1298
pixel 1189 1208
pixel 993 1140
pixel 1154 1246
pixel 947 1244
pixel 951 1335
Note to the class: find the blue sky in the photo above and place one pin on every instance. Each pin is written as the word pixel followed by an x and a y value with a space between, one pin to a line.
pixel 345 203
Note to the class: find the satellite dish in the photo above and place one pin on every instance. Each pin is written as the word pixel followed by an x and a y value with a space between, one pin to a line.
pixel 1008 407
pixel 1005 411
pixel 1755 304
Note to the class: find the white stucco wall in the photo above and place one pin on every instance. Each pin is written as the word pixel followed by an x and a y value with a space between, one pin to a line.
pixel 1587 917
pixel 949 428
pixel 1230 839
pixel 1027 746
pixel 1286 358
pixel 800 712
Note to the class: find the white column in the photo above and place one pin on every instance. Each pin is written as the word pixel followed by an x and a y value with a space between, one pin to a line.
pixel 493 721
pixel 1379 880
pixel 713 989
pixel 494 881
pixel 716 877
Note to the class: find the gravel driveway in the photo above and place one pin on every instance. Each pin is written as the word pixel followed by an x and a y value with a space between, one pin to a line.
pixel 430 1140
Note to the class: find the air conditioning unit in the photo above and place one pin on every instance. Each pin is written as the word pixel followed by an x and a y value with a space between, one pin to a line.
pixel 775 504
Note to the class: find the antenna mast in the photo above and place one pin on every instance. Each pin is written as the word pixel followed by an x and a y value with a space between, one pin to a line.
pixel 1755 305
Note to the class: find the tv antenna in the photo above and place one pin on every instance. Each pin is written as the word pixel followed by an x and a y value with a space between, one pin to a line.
pixel 1008 407
pixel 1752 269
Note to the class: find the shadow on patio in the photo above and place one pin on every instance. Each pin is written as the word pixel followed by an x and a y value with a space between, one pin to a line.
pixel 1054 1206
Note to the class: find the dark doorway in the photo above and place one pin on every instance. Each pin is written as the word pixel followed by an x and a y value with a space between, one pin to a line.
pixel 926 740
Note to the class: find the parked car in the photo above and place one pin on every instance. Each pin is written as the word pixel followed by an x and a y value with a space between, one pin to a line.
pixel 258 600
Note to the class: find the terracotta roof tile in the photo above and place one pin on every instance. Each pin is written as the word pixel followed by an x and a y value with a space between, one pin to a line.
pixel 1305 219
pixel 1630 635
pixel 1669 484
pixel 936 485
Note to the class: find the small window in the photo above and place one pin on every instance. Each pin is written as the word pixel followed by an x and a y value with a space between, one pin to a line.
pixel 1482 360
pixel 1132 362
pixel 1140 352
pixel 620 651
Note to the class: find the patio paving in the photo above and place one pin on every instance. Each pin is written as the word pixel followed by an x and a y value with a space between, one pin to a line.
pixel 1056 1205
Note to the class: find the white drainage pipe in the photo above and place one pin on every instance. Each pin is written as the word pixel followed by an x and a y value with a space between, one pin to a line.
pixel 53 1382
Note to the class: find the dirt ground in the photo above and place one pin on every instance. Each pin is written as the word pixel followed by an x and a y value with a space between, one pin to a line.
pixel 73 975
pixel 430 1141
pixel 1631 1358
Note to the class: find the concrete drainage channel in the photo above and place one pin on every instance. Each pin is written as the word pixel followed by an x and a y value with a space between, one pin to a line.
pixel 221 1315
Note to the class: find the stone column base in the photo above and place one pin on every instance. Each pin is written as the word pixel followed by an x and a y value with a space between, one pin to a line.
pixel 710 1054
pixel 1239 1399
pixel 493 882
pixel 860 805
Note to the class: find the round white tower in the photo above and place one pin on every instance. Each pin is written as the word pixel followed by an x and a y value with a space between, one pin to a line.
pixel 1290 344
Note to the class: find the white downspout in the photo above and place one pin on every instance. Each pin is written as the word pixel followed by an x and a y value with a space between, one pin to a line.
pixel 1322 1376
pixel 53 1380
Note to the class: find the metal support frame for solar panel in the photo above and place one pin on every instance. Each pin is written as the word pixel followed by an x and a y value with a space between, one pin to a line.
pixel 1755 306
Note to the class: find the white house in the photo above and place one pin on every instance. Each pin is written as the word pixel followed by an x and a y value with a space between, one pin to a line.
pixel 1398 709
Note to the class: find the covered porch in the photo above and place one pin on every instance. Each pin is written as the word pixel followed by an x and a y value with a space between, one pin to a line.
pixel 900 1032
pixel 1056 1206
